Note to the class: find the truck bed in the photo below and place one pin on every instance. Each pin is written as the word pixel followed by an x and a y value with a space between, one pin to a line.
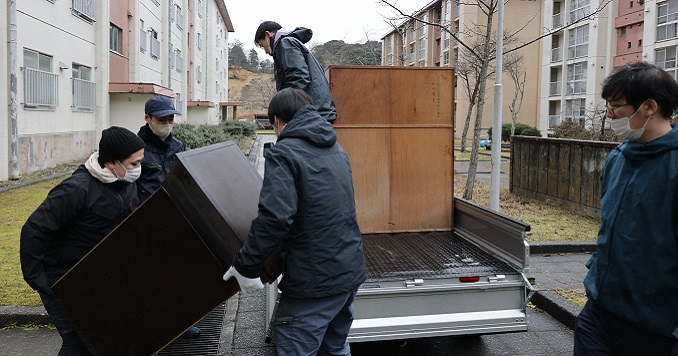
pixel 427 255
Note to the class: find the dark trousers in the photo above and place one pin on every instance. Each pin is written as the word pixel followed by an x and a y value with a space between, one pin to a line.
pixel 71 344
pixel 306 327
pixel 598 332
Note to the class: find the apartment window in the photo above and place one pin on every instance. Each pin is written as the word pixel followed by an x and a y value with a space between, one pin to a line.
pixel 422 26
pixel 446 39
pixel 155 44
pixel 622 32
pixel 667 20
pixel 579 42
pixel 665 58
pixel 576 78
pixel 575 110
pixel 115 35
pixel 198 74
pixel 143 40
pixel 446 59
pixel 579 9
pixel 199 41
pixel 422 63
pixel 180 17
pixel 84 89
pixel 85 9
pixel 170 50
pixel 556 49
pixel 630 4
pixel 179 105
pixel 180 61
pixel 41 86
pixel 422 48
pixel 557 15
pixel 628 45
pixel 448 11
pixel 200 8
pixel 413 34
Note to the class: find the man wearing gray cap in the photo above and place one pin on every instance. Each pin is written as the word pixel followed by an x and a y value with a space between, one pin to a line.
pixel 77 214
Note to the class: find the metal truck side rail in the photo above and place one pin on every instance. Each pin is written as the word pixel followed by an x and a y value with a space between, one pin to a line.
pixel 498 234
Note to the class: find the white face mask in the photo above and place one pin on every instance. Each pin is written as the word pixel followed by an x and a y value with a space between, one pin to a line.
pixel 161 131
pixel 131 175
pixel 622 127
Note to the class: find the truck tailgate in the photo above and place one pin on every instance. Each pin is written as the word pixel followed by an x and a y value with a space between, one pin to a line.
pixel 433 284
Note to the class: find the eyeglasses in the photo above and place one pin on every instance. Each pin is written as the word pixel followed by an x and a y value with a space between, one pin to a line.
pixel 612 108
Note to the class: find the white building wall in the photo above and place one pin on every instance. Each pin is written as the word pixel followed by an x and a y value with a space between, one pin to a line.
pixel 5 120
pixel 60 134
pixel 149 67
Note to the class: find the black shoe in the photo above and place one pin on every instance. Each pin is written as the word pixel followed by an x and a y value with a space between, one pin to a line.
pixel 192 333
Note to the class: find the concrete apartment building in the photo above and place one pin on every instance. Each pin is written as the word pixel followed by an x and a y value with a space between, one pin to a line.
pixel 414 43
pixel 577 59
pixel 74 67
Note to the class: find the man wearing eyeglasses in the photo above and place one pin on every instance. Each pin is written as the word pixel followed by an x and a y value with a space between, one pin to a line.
pixel 632 283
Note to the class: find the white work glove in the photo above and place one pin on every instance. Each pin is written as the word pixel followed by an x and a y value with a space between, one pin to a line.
pixel 247 285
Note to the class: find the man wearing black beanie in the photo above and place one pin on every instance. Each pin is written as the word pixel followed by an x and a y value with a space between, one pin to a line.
pixel 77 214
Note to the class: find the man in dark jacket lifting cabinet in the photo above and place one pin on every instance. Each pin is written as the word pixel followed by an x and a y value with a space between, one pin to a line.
pixel 307 207
pixel 77 214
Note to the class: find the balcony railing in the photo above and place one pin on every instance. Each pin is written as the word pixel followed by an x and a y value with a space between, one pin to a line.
pixel 85 8
pixel 555 88
pixel 557 20
pixel 40 88
pixel 556 54
pixel 84 94
pixel 554 120
pixel 155 47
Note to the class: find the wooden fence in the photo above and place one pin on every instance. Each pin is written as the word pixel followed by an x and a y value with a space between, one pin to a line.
pixel 562 172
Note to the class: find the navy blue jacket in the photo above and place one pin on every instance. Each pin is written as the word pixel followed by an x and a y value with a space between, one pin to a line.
pixel 295 67
pixel 76 215
pixel 634 271
pixel 158 158
pixel 307 206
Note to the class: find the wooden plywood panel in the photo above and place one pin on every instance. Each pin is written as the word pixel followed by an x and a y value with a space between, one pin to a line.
pixel 371 182
pixel 421 180
pixel 397 126
pixel 392 95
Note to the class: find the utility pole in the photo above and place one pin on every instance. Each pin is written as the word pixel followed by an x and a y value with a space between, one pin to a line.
pixel 496 121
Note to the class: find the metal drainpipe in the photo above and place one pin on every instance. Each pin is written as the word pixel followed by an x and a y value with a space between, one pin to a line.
pixel 13 106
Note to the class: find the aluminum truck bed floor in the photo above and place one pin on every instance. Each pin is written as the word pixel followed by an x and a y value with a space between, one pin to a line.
pixel 428 255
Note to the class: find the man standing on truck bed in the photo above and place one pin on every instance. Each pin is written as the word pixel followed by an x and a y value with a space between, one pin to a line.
pixel 307 207
pixel 632 283
pixel 294 66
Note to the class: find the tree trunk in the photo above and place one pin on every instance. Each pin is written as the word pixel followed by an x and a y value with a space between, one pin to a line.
pixel 467 122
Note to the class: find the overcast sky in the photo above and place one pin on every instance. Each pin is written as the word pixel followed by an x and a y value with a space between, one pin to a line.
pixel 346 20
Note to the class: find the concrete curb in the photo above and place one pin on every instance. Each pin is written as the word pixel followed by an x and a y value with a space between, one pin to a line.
pixel 557 306
pixel 13 315
pixel 541 248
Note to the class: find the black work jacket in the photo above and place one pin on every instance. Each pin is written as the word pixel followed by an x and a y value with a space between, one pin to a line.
pixel 76 215
pixel 158 158
pixel 294 66
pixel 307 207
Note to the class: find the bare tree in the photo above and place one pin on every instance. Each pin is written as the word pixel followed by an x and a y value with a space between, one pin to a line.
pixel 514 68
pixel 484 55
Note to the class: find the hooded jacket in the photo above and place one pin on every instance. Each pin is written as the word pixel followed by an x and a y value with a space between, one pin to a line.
pixel 158 158
pixel 307 206
pixel 294 66
pixel 634 271
pixel 76 215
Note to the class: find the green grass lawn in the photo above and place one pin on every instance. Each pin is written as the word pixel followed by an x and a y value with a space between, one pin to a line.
pixel 15 207
pixel 547 223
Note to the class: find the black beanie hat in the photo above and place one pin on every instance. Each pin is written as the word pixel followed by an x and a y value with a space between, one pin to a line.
pixel 117 143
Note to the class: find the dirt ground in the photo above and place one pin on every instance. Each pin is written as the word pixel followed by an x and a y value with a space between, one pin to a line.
pixel 254 90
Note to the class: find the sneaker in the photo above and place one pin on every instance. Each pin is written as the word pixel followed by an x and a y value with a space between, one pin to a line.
pixel 192 333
